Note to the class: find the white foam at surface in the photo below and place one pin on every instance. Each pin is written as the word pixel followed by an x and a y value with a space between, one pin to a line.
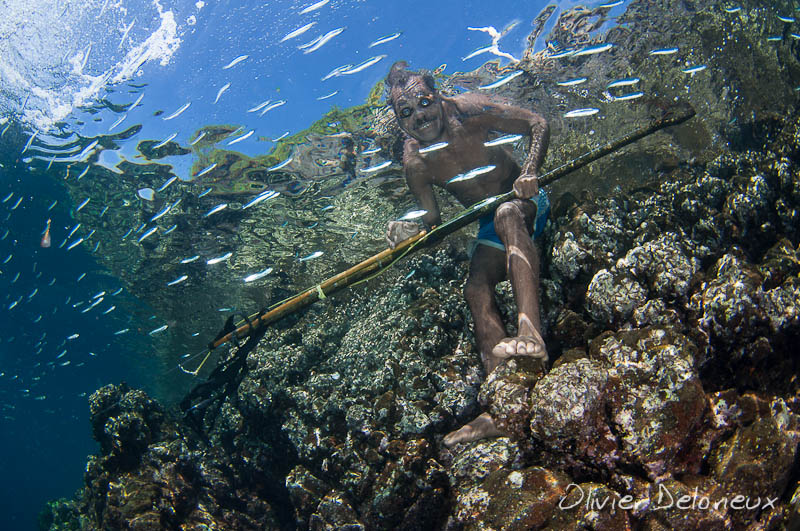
pixel 51 68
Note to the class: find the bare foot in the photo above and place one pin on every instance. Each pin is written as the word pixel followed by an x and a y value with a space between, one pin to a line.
pixel 520 346
pixel 481 428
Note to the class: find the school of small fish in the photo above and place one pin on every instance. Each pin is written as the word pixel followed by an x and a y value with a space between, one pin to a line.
pixel 309 33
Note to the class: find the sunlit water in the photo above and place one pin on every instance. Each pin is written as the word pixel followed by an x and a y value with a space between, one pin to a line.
pixel 70 74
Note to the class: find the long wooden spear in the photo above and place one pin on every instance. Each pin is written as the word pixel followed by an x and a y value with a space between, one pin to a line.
pixel 384 259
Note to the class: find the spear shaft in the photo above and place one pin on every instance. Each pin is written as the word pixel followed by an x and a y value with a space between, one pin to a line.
pixel 382 260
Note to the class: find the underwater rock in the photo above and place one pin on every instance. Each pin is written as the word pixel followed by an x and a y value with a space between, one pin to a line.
pixel 756 462
pixel 662 265
pixel 568 412
pixel 506 393
pixel 655 397
pixel 593 506
pixel 512 500
pixel 612 296
pixel 151 475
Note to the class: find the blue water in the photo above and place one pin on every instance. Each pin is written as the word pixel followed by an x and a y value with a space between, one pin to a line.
pixel 45 435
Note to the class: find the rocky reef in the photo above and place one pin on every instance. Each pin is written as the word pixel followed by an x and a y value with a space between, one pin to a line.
pixel 671 303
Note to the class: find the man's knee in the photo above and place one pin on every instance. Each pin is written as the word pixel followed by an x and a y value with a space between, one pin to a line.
pixel 510 216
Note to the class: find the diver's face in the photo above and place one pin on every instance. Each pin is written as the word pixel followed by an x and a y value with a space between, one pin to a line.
pixel 419 111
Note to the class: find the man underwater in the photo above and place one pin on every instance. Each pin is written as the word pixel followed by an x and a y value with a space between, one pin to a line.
pixel 504 247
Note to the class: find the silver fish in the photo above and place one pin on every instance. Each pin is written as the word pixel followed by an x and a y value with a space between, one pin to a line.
pixel 629 96
pixel 693 69
pixel 502 81
pixel 577 113
pixel 326 96
pixel 377 167
pixel 259 106
pixel 165 141
pixel 125 33
pixel 432 147
pixel 471 174
pixel 179 111
pixel 167 183
pixel 119 121
pixel 158 330
pixel 336 71
pixel 269 194
pixel 321 41
pixel 177 280
pixel 206 170
pixel 477 51
pixel 147 234
pixel 272 106
pixel 219 259
pixel 363 65
pixel 198 139
pixel 625 82
pixel 414 214
pixel 240 138
pixel 137 102
pixel 314 7
pixel 225 87
pixel 280 165
pixel 75 244
pixel 259 275
pixel 218 208
pixel 85 202
pixel 505 139
pixel 385 39
pixel 591 50
pixel 664 51
pixel 315 254
pixel 572 82
pixel 298 31
pixel 235 62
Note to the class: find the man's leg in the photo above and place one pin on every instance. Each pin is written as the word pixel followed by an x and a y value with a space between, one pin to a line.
pixel 486 269
pixel 513 223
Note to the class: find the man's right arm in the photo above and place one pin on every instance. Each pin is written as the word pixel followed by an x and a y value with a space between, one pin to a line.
pixel 420 186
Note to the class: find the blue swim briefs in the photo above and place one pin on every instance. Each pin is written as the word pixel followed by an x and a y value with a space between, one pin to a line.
pixel 488 236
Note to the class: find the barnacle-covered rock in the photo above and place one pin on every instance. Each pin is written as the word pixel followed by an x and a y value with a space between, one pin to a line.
pixel 512 500
pixel 655 397
pixel 751 205
pixel 757 460
pixel 593 238
pixel 612 296
pixel 506 393
pixel 306 491
pixel 159 477
pixel 662 265
pixel 334 512
pixel 728 307
pixel 568 412
pixel 593 506
pixel 124 421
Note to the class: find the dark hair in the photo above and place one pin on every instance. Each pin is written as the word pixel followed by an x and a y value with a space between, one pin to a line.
pixel 399 76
